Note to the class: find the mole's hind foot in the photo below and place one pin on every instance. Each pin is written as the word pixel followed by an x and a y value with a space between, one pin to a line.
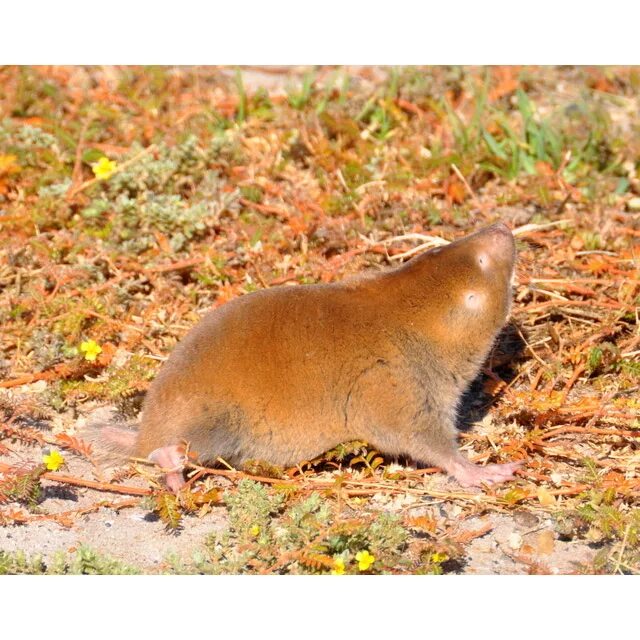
pixel 471 475
pixel 171 459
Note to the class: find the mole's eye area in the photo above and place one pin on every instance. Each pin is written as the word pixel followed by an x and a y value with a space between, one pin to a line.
pixel 473 300
pixel 483 260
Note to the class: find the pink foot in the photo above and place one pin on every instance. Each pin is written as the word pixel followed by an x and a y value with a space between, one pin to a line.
pixel 471 475
pixel 171 459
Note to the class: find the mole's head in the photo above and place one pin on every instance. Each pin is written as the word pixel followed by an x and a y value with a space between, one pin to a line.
pixel 468 291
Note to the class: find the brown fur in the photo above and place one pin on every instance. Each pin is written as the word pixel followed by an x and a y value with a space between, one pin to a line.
pixel 284 374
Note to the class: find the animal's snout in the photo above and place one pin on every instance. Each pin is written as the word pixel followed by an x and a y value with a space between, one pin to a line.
pixel 499 241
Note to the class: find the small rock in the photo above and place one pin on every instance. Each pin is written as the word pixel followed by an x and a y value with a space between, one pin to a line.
pixel 633 204
pixel 525 519
pixel 38 387
pixel 545 542
pixel 515 540
pixel 515 216
pixel 556 478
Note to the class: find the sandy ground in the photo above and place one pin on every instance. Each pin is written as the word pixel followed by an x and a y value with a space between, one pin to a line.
pixel 517 542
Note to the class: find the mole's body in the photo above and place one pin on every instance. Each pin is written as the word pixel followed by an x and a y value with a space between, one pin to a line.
pixel 284 374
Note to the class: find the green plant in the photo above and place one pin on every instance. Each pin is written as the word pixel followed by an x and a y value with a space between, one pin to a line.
pixel 85 561
pixel 299 99
pixel 242 97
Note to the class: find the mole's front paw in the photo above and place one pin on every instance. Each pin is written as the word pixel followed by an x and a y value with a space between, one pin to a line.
pixel 471 475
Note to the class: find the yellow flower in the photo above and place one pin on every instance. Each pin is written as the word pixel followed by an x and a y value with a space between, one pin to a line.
pixel 365 560
pixel 254 531
pixel 53 461
pixel 338 569
pixel 9 165
pixel 104 168
pixel 91 350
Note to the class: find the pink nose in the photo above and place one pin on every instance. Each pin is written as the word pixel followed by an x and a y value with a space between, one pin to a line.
pixel 501 237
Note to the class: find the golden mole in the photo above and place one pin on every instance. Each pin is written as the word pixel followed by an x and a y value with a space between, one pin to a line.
pixel 284 374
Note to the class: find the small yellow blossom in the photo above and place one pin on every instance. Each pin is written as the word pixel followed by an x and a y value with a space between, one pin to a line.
pixel 53 461
pixel 365 560
pixel 338 569
pixel 254 531
pixel 9 165
pixel 104 168
pixel 91 350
